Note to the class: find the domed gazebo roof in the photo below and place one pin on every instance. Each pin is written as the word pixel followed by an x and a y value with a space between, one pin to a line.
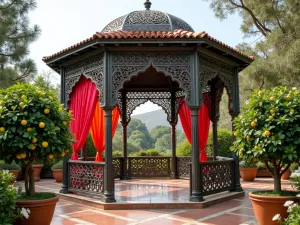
pixel 148 20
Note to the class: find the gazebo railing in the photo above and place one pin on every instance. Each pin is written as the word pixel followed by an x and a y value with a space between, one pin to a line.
pixel 147 166
pixel 85 177
pixel 183 166
pixel 216 176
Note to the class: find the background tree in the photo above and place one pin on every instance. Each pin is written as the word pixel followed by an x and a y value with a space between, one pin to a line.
pixel 163 143
pixel 142 137
pixel 44 81
pixel 15 37
pixel 159 131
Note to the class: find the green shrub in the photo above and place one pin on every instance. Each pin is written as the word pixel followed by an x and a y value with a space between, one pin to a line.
pixel 117 154
pixel 224 143
pixel 247 164
pixel 90 147
pixel 154 152
pixel 58 165
pixel 184 149
pixel 261 166
pixel 12 166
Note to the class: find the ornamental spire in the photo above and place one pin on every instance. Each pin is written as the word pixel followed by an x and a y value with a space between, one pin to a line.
pixel 147 5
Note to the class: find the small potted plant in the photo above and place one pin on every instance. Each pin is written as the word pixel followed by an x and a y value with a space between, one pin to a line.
pixel 13 168
pixel 57 170
pixel 8 197
pixel 248 170
pixel 268 130
pixel 262 170
pixel 33 125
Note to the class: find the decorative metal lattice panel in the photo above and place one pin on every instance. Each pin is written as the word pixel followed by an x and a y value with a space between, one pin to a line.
pixel 217 176
pixel 183 166
pixel 118 165
pixel 149 166
pixel 85 177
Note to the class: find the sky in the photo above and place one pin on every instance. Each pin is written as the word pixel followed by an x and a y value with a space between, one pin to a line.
pixel 66 22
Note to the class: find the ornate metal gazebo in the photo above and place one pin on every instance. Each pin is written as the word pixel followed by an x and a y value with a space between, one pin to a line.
pixel 151 55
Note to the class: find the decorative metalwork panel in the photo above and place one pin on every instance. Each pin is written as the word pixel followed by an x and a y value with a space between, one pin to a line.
pixel 147 20
pixel 210 68
pixel 125 66
pixel 217 176
pixel 118 165
pixel 91 68
pixel 116 24
pixel 149 166
pixel 178 23
pixel 183 166
pixel 86 177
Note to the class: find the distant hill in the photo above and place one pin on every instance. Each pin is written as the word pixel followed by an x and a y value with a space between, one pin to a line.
pixel 155 118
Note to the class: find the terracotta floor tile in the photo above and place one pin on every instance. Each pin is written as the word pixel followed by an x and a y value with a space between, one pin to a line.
pixel 57 220
pixel 70 209
pixel 100 219
pixel 244 211
pixel 227 219
pixel 162 221
pixel 135 214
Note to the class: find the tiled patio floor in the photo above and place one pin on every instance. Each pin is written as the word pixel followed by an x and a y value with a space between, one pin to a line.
pixel 234 212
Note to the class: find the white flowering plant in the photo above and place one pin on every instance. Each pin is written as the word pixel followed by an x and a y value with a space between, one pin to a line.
pixel 8 197
pixel 293 210
pixel 295 179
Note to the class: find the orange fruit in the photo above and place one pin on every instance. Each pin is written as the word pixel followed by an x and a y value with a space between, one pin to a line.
pixel 29 129
pixel 42 125
pixel 272 111
pixel 33 147
pixel 21 104
pixel 62 154
pixel 235 133
pixel 18 156
pixel 271 99
pixel 67 150
pixel 60 109
pixel 12 107
pixel 253 124
pixel 46 111
pixel 65 123
pixel 271 117
pixel 292 111
pixel 34 140
pixel 259 93
pixel 2 129
pixel 24 122
pixel 267 133
pixel 23 97
pixel 23 155
pixel 288 97
pixel 248 138
pixel 50 156
pixel 45 144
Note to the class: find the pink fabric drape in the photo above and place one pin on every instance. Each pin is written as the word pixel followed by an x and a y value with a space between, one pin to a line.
pixel 98 129
pixel 83 101
pixel 203 126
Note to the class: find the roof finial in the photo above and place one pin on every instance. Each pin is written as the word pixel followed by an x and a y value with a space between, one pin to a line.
pixel 147 5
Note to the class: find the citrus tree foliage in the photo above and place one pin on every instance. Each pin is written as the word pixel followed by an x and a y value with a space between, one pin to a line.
pixel 269 130
pixel 15 36
pixel 33 125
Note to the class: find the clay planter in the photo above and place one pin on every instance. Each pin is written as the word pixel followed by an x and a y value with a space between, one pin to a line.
pixel 286 175
pixel 37 171
pixel 248 174
pixel 266 207
pixel 41 211
pixel 58 175
pixel 263 173
pixel 15 173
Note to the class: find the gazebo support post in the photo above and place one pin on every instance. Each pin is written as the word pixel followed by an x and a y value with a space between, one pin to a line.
pixel 214 118
pixel 109 181
pixel 234 113
pixel 174 158
pixel 124 176
pixel 83 153
pixel 196 195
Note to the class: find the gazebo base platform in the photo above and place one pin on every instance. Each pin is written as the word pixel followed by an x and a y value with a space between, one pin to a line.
pixel 151 194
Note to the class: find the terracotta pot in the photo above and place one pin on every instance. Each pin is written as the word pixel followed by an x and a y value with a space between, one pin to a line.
pixel 286 175
pixel 248 174
pixel 15 173
pixel 58 175
pixel 37 171
pixel 263 173
pixel 41 211
pixel 266 207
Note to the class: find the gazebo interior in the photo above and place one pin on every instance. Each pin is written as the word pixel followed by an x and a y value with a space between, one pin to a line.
pixel 145 56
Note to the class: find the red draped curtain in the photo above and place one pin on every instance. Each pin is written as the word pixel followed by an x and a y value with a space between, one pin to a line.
pixel 203 126
pixel 98 129
pixel 83 101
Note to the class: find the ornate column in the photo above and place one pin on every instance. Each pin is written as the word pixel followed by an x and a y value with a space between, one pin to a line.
pixel 196 173
pixel 124 176
pixel 214 116
pixel 174 158
pixel 234 113
pixel 64 187
pixel 109 180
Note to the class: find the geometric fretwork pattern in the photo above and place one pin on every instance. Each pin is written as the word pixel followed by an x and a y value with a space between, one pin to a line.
pixel 86 176
pixel 149 166
pixel 118 164
pixel 183 166
pixel 217 176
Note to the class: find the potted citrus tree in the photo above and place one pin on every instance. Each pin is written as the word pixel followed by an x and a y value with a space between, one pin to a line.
pixel 33 125
pixel 248 170
pixel 268 130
